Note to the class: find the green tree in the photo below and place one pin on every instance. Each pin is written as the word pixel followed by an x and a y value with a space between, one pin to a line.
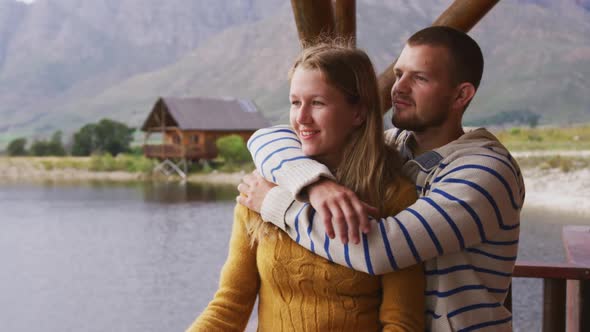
pixel 114 137
pixel 84 141
pixel 53 147
pixel 17 147
pixel 233 149
pixel 39 148
pixel 105 136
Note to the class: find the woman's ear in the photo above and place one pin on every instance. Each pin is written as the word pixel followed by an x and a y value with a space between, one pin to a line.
pixel 465 92
pixel 359 116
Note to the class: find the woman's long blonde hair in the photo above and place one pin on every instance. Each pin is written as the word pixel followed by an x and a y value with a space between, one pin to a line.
pixel 368 166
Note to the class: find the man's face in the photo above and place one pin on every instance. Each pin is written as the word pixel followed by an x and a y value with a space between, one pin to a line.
pixel 422 93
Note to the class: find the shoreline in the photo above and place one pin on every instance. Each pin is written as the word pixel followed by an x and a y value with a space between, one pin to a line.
pixel 550 189
pixel 16 170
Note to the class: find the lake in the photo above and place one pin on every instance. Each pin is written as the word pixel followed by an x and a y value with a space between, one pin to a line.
pixel 146 256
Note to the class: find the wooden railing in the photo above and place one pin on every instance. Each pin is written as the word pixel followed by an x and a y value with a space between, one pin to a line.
pixel 164 151
pixel 566 286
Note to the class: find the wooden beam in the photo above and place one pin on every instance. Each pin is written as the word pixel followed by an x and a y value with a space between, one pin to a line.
pixel 313 18
pixel 345 19
pixel 553 305
pixel 526 269
pixel 462 15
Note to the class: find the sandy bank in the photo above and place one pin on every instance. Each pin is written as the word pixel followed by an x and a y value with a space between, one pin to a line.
pixel 31 170
pixel 558 191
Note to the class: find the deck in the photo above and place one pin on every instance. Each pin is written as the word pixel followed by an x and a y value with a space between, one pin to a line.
pixel 176 151
pixel 566 286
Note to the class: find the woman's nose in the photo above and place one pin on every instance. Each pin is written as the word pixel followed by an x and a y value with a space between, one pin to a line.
pixel 304 114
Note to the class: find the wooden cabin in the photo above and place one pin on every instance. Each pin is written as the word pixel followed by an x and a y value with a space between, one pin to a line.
pixel 190 126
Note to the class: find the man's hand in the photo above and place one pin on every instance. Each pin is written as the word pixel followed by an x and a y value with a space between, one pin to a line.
pixel 253 190
pixel 339 207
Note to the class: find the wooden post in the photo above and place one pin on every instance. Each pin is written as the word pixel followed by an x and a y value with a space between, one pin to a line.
pixel 345 19
pixel 553 305
pixel 313 18
pixel 462 15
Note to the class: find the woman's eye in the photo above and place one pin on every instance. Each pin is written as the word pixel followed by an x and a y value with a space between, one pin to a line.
pixel 295 102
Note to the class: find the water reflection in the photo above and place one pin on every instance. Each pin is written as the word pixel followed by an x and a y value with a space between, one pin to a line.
pixel 173 192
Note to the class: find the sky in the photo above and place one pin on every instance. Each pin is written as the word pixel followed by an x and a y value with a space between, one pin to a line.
pixel 26 1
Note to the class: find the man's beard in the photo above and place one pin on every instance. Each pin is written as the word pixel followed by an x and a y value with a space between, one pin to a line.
pixel 418 125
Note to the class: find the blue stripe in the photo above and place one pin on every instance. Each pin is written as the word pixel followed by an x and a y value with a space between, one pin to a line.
pixel 298 238
pixel 463 289
pixel 472 307
pixel 466 267
pixel 428 229
pixel 409 240
pixel 272 141
pixel 489 198
pixel 448 219
pixel 269 133
pixel 309 227
pixel 513 162
pixel 387 246
pixel 498 257
pixel 468 208
pixel 367 254
pixel 502 243
pixel 510 166
pixel 485 324
pixel 327 247
pixel 432 313
pixel 489 170
pixel 347 256
pixel 273 153
pixel 272 172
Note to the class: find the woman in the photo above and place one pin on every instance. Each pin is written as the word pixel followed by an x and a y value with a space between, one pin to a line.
pixel 335 112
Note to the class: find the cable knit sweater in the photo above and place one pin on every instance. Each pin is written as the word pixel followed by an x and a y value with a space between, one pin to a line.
pixel 300 291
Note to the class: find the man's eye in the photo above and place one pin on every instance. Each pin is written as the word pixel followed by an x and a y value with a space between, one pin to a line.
pixel 317 103
pixel 421 78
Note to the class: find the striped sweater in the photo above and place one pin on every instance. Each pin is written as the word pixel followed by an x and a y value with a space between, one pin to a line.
pixel 464 227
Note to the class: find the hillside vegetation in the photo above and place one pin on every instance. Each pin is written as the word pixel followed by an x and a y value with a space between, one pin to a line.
pixel 64 63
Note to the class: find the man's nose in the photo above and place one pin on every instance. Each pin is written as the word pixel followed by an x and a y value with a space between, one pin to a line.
pixel 401 85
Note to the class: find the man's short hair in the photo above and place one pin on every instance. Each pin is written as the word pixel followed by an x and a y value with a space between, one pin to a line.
pixel 465 55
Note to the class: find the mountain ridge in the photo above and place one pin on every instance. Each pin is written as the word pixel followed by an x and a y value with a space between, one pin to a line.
pixel 546 54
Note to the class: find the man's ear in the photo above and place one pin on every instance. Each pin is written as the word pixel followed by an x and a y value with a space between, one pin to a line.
pixel 360 114
pixel 464 93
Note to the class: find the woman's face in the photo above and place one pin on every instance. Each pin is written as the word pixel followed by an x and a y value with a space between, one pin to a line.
pixel 321 116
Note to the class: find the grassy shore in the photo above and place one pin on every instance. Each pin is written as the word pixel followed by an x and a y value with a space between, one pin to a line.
pixel 546 138
pixel 105 167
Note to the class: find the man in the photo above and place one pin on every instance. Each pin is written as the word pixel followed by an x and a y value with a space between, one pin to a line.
pixel 465 225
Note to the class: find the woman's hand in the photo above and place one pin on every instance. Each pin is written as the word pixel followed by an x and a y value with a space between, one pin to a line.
pixel 253 190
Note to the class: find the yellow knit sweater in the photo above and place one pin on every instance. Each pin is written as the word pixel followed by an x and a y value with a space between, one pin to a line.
pixel 300 291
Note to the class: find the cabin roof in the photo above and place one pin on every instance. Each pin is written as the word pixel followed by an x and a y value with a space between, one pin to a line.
pixel 199 113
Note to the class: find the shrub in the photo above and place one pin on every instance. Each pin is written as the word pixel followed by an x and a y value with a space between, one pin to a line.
pixel 17 147
pixel 233 149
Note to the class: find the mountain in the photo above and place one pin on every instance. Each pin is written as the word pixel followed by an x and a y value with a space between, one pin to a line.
pixel 64 63
pixel 58 50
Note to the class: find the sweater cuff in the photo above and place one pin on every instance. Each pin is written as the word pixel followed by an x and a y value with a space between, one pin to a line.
pixel 298 176
pixel 275 206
